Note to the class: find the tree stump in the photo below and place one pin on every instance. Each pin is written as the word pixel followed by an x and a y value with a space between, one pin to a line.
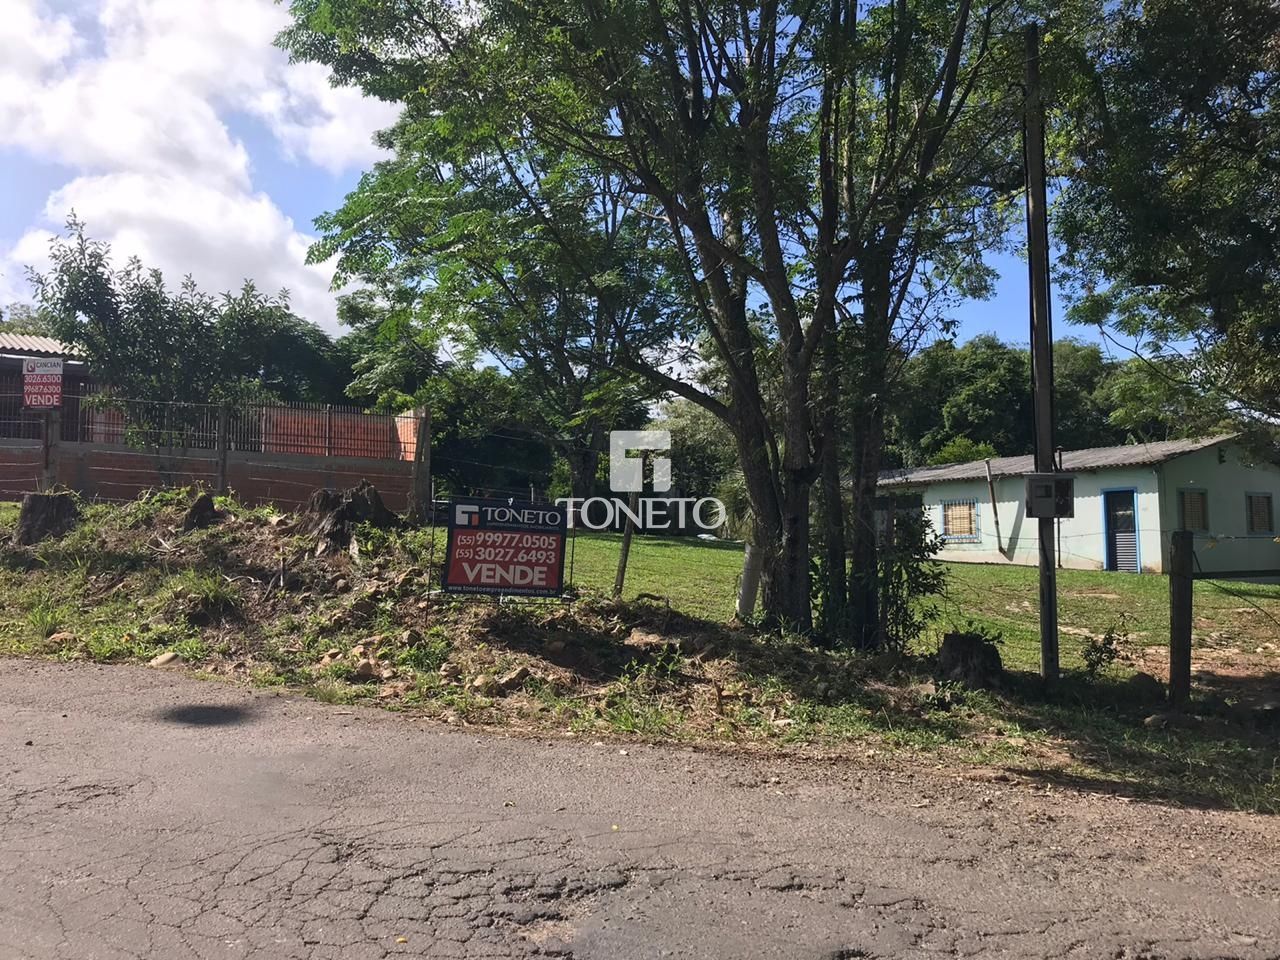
pixel 202 513
pixel 333 516
pixel 970 659
pixel 45 515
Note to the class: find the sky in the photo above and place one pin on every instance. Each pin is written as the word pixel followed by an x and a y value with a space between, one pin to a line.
pixel 179 134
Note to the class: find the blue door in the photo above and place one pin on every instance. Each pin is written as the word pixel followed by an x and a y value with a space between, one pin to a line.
pixel 1121 530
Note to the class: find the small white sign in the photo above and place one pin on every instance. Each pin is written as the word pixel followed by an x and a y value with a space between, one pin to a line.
pixel 42 366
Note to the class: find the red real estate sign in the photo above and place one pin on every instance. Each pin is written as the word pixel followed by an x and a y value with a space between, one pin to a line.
pixel 505 547
pixel 41 383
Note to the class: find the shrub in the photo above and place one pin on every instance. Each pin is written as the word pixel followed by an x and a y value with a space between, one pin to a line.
pixel 1099 653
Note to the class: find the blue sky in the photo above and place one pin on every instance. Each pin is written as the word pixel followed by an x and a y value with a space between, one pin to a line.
pixel 180 134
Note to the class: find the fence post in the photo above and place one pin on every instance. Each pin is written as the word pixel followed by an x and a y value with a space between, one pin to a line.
pixel 1180 582
pixel 625 554
pixel 52 433
pixel 222 444
pixel 420 500
pixel 328 429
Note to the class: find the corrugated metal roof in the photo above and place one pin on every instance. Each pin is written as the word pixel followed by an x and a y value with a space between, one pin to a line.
pixel 1095 458
pixel 26 343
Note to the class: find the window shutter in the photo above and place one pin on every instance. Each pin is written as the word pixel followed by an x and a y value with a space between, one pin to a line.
pixel 1260 515
pixel 1195 510
pixel 958 520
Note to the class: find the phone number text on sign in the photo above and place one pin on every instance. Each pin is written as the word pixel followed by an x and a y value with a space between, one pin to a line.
pixel 505 547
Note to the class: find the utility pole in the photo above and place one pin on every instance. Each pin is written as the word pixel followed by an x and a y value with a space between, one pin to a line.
pixel 1041 340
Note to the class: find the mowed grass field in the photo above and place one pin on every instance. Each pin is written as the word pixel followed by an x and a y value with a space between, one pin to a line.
pixel 701 579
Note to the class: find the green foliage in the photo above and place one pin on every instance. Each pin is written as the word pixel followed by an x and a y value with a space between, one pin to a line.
pixel 963 450
pixel 199 595
pixel 1170 147
pixel 150 342
pixel 1100 652
pixel 961 403
pixel 427 655
pixel 45 616
pixel 910 580
pixel 703 454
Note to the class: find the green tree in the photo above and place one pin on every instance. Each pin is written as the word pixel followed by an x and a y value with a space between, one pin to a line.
pixel 962 450
pixel 952 398
pixel 469 263
pixel 147 341
pixel 1169 215
pixel 841 168
pixel 23 318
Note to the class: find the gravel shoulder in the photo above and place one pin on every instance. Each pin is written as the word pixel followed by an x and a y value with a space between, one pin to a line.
pixel 145 813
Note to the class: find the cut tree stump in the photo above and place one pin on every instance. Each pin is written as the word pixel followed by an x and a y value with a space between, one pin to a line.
pixel 333 516
pixel 45 515
pixel 202 513
pixel 970 659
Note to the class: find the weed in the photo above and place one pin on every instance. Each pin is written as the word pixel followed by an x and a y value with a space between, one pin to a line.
pixel 332 690
pixel 428 654
pixel 200 597
pixel 107 646
pixel 45 616
pixel 1099 653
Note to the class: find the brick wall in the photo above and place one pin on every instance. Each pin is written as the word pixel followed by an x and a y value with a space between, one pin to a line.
pixel 116 472
pixel 21 467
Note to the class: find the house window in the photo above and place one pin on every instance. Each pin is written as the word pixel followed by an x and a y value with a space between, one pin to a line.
pixel 1193 509
pixel 960 520
pixel 1260 518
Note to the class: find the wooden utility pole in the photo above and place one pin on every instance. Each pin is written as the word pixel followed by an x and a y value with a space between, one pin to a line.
pixel 1180 581
pixel 1041 340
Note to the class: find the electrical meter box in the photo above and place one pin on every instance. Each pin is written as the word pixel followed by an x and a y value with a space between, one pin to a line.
pixel 1051 495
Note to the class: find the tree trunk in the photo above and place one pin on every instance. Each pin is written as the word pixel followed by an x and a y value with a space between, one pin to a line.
pixel 864 587
pixel 582 470
pixel 835 585
pixel 45 515
pixel 798 475
pixel 867 420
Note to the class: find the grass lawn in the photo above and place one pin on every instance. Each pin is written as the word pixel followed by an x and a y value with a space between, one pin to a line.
pixel 699 577
pixel 701 580
pixel 1228 614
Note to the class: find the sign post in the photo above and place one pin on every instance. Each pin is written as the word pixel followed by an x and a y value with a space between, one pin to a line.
pixel 505 547
pixel 41 383
pixel 42 391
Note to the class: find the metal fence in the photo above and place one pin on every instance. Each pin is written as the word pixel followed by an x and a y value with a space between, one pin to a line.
pixel 309 429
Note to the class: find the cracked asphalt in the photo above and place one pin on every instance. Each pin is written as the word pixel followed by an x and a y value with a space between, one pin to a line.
pixel 153 815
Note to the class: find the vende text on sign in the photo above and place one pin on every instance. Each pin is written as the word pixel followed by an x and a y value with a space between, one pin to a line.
pixel 42 382
pixel 505 547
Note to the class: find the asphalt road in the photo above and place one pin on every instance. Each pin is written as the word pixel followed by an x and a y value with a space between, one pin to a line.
pixel 156 816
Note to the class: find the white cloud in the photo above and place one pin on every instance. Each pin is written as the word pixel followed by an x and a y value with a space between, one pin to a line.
pixel 328 126
pixel 132 95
